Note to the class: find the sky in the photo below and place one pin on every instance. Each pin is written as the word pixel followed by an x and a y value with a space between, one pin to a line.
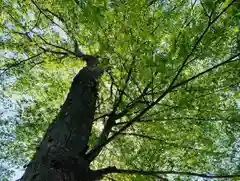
pixel 8 106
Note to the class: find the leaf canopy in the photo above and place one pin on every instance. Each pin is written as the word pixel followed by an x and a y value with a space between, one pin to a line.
pixel 172 71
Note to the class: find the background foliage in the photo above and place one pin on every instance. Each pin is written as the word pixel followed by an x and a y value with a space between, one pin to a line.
pixel 164 53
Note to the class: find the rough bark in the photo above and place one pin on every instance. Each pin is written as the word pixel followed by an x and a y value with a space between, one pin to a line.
pixel 61 154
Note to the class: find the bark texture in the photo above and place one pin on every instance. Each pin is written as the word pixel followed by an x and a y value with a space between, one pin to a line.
pixel 61 154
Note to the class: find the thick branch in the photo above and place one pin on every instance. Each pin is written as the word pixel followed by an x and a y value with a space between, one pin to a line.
pixel 111 121
pixel 102 138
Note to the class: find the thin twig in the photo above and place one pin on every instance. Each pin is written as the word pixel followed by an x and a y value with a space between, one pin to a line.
pixel 156 173
pixel 20 62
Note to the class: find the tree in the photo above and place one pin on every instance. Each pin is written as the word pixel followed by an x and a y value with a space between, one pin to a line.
pixel 165 107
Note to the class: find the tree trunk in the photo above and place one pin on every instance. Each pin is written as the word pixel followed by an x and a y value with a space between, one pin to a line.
pixel 61 154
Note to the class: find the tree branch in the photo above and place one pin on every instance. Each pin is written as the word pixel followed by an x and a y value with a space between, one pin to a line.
pixel 157 173
pixel 111 121
pixel 198 41
pixel 54 52
pixel 178 118
pixel 170 143
pixel 125 86
pixel 53 14
pixel 18 63
pixel 41 11
pixel 208 70
pixel 56 46
pixel 169 89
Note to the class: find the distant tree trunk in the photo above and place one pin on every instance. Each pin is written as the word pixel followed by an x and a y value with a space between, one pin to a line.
pixel 61 154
